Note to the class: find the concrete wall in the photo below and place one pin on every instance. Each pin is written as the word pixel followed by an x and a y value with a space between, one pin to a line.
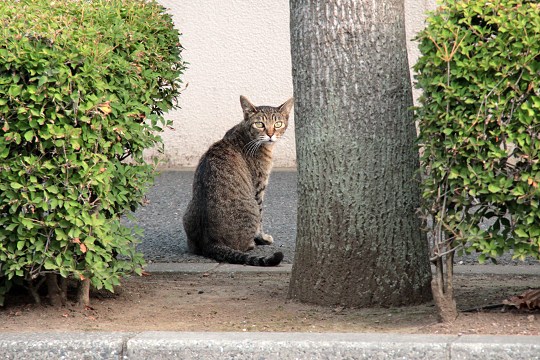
pixel 237 47
pixel 415 11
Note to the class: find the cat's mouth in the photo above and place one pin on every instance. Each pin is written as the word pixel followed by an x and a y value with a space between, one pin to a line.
pixel 270 139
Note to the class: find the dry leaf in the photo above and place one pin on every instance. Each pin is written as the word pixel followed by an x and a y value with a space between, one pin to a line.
pixel 105 107
pixel 530 300
pixel 83 247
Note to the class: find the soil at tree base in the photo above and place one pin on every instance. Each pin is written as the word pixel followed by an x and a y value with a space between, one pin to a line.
pixel 258 302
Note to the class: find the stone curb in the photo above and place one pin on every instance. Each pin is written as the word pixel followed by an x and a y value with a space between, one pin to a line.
pixel 283 346
pixel 286 268
pixel 213 267
pixel 78 345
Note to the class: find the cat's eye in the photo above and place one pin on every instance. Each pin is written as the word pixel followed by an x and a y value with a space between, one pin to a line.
pixel 278 124
pixel 259 125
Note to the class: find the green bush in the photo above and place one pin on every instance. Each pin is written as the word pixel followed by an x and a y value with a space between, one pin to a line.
pixel 84 88
pixel 479 129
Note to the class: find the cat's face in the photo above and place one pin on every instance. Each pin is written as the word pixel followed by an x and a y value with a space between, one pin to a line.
pixel 266 124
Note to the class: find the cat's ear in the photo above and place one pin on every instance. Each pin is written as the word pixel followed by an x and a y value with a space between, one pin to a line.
pixel 247 107
pixel 286 107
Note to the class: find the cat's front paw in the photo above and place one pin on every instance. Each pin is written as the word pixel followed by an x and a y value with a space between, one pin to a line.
pixel 264 239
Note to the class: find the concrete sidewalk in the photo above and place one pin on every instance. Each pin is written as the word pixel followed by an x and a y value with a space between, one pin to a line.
pixel 282 346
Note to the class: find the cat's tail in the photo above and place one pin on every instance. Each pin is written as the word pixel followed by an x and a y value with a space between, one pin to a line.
pixel 223 253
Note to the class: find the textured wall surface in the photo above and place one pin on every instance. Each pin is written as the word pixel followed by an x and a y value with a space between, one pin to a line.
pixel 415 13
pixel 234 47
pixel 237 47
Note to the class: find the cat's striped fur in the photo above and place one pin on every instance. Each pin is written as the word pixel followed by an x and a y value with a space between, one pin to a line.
pixel 224 217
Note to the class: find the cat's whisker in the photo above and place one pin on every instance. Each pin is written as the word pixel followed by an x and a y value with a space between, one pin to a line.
pixel 256 147
pixel 252 147
pixel 249 146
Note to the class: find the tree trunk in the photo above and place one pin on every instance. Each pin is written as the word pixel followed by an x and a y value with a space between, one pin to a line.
pixel 442 286
pixel 33 289
pixel 83 295
pixel 56 297
pixel 359 241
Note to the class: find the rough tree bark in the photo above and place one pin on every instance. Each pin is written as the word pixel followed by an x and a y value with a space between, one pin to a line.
pixel 54 291
pixel 83 295
pixel 359 241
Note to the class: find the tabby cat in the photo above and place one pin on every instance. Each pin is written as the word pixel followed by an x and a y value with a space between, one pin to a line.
pixel 223 219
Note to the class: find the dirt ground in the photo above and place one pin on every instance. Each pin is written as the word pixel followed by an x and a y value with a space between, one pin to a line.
pixel 258 302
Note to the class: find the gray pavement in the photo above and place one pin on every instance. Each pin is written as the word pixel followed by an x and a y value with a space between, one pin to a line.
pixel 164 237
pixel 165 241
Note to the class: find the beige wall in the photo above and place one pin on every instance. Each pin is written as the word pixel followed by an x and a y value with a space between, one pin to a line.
pixel 237 47
pixel 415 11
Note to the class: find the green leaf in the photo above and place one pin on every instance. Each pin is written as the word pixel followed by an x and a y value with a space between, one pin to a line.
pixel 15 90
pixel 494 188
pixel 482 258
pixel 16 186
pixel 42 80
pixel 60 234
pixel 448 131
pixel 521 233
pixel 27 223
pixel 49 264
pixel 29 135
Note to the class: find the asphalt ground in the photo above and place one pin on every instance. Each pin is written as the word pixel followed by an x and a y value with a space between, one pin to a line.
pixel 161 219
pixel 165 241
